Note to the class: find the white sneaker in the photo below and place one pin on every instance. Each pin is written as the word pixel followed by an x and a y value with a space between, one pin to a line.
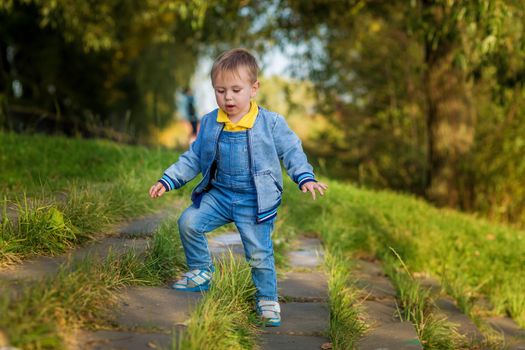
pixel 270 312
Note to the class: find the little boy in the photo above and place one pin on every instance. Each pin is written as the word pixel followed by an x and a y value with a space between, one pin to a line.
pixel 237 150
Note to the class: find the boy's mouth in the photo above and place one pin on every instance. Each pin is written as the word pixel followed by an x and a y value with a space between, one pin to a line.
pixel 230 106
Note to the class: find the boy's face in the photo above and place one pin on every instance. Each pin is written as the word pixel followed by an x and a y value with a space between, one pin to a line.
pixel 233 92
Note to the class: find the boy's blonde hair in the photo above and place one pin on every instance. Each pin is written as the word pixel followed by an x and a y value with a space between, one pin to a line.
pixel 232 60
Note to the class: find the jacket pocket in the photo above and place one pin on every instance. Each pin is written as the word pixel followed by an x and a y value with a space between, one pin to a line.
pixel 269 191
pixel 276 182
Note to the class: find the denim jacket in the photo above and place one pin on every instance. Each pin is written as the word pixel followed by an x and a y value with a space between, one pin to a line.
pixel 269 141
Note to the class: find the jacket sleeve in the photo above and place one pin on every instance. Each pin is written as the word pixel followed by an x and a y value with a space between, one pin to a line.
pixel 185 169
pixel 290 151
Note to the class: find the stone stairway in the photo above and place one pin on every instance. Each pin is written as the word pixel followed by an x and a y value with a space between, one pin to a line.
pixel 150 317
pixel 146 317
pixel 512 334
pixel 386 331
pixel 154 317
pixel 304 293
pixel 133 235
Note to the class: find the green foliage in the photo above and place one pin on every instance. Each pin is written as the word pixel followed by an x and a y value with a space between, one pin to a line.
pixel 435 331
pixel 222 319
pixel 40 229
pixel 40 315
pixel 108 68
pixel 103 65
pixel 96 25
pixel 345 325
pixel 473 257
pixel 165 257
pixel 414 90
pixel 496 168
pixel 54 201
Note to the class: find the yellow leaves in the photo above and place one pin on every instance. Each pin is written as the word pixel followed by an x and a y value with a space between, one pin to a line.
pixel 6 4
pixel 488 44
pixel 375 26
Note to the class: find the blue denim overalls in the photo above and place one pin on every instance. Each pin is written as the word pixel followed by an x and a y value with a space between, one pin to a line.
pixel 232 198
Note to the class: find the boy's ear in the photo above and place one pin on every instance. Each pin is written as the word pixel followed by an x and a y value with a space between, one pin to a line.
pixel 255 88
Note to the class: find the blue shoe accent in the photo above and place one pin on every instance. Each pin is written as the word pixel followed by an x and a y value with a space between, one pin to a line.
pixel 194 281
pixel 270 323
pixel 201 288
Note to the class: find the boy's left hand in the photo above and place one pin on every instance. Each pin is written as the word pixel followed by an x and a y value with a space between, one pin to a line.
pixel 312 186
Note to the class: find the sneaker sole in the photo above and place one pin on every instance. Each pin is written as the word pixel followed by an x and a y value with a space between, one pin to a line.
pixel 193 289
pixel 272 324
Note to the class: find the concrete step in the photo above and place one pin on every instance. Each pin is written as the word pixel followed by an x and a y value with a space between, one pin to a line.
pixel 373 282
pixel 117 340
pixel 386 331
pixel 154 308
pixel 291 342
pixel 512 333
pixel 41 267
pixel 380 311
pixel 302 319
pixel 144 226
pixel 222 245
pixel 447 307
pixel 306 253
pixel 392 336
pixel 304 286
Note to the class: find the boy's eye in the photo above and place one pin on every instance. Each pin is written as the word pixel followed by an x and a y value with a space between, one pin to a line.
pixel 236 90
pixel 220 91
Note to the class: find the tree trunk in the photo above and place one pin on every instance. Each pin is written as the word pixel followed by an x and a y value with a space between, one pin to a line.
pixel 450 124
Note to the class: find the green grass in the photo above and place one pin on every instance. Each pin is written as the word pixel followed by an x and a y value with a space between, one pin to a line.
pixel 32 162
pixel 165 256
pixel 417 307
pixel 83 293
pixel 64 191
pixel 346 326
pixel 40 317
pixel 39 228
pixel 224 319
pixel 478 258
pixel 74 188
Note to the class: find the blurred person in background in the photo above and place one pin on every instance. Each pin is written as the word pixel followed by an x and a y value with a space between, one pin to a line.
pixel 187 110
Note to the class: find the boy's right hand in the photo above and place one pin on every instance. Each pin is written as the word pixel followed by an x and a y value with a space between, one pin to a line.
pixel 156 190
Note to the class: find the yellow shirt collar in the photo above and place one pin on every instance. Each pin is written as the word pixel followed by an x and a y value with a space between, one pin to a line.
pixel 246 121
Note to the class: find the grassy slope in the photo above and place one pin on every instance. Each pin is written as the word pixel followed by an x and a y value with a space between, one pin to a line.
pixel 28 162
pixel 106 176
pixel 83 293
pixel 103 182
pixel 471 256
